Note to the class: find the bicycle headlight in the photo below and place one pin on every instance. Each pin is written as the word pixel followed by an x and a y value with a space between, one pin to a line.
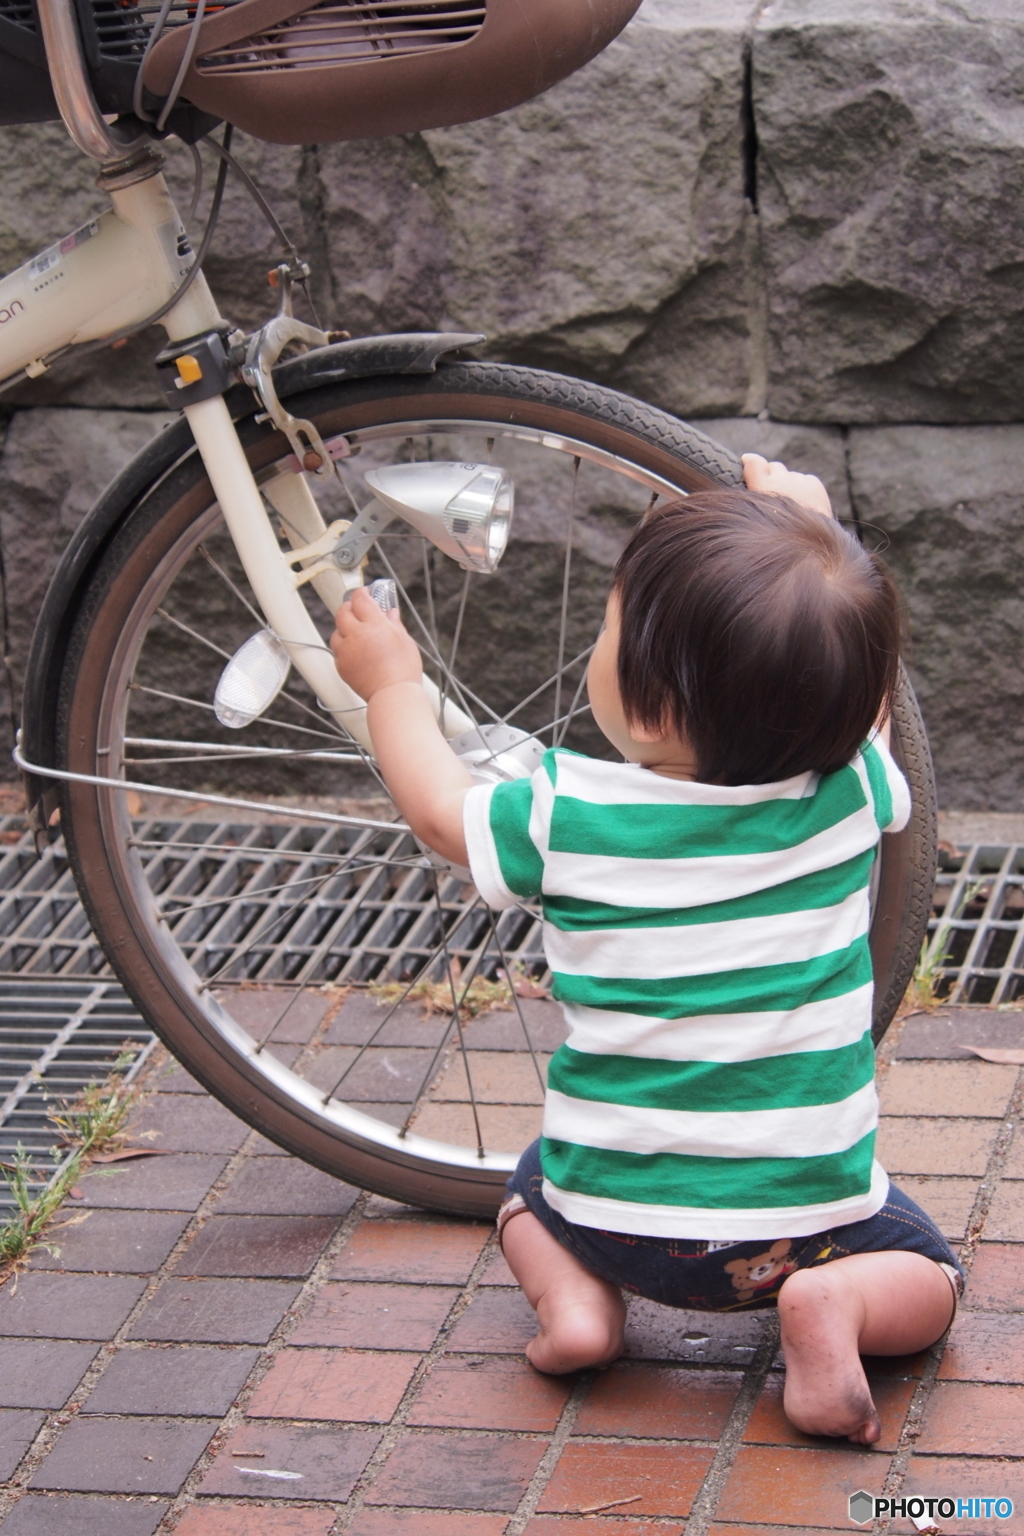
pixel 465 509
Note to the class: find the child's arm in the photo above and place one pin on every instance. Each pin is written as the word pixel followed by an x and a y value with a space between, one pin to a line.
pixel 777 480
pixel 376 655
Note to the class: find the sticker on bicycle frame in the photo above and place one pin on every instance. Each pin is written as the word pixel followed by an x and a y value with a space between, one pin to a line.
pixel 177 248
pixel 41 264
pixel 48 258
pixel 80 236
pixel 44 261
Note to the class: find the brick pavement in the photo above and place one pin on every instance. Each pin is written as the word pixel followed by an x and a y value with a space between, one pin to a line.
pixel 233 1344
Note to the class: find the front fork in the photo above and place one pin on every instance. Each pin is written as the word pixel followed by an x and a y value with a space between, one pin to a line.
pixel 269 570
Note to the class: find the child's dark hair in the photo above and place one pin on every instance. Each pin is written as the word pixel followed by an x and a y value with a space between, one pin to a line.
pixel 761 631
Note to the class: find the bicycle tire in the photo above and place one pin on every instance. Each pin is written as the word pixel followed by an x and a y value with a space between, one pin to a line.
pixel 154 554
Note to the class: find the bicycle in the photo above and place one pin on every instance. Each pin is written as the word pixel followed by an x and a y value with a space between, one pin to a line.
pixel 211 558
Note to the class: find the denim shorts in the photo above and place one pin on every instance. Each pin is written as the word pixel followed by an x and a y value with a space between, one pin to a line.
pixel 739 1277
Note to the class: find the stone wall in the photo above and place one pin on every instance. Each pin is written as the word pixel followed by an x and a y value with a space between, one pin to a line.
pixel 769 217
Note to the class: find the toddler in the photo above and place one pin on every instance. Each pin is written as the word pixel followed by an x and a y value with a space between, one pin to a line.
pixel 709 1125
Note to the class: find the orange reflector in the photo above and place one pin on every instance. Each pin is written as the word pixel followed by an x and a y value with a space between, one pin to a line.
pixel 189 370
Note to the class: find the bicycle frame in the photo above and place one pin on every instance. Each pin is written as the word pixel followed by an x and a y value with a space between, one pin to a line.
pixel 111 274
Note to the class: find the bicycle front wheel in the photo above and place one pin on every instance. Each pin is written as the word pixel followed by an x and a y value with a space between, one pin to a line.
pixel 239 934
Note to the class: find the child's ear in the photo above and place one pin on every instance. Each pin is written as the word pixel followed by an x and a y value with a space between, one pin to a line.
pixel 646 733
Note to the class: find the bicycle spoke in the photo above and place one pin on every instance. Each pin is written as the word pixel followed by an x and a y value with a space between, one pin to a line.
pixel 456 637
pixel 547 683
pixel 226 579
pixel 457 1018
pixel 558 736
pixel 254 754
pixel 284 725
pixel 428 586
pixel 515 998
pixel 566 572
pixel 361 1052
pixel 195 635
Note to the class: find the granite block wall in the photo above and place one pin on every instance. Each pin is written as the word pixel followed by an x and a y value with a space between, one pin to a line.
pixel 800 223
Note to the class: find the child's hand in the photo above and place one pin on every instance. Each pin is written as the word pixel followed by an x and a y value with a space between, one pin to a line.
pixel 777 480
pixel 372 649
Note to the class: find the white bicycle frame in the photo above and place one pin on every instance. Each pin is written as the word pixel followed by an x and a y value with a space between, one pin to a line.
pixel 111 274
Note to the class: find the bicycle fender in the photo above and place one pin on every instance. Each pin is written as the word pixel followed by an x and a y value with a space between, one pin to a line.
pixel 364 357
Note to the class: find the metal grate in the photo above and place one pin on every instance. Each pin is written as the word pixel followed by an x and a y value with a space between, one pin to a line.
pixel 272 902
pixel 56 1036
pixel 976 936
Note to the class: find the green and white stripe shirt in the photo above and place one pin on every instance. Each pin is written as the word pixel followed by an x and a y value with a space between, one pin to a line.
pixel 709 945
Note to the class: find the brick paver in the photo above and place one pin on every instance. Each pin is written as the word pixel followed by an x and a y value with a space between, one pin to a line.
pixel 115 1455
pixel 654 1479
pixel 234 1344
pixel 39 1515
pixel 277 1461
pixel 178 1182
pixel 362 1386
pixel 790 1486
pixel 197 1382
pixel 984 1346
pixel 254 1520
pixel 124 1242
pixel 67 1306
pixel 1006 1218
pixel 457 1471
pixel 37 1373
pixel 422 1250
pixel 18 1429
pixel 658 1402
pixel 369 1316
pixel 280 1186
pixel 489 1392
pixel 422 1522
pixel 215 1311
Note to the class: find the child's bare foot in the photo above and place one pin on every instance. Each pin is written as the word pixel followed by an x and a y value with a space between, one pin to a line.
pixel 890 1303
pixel 575 1334
pixel 826 1390
pixel 580 1316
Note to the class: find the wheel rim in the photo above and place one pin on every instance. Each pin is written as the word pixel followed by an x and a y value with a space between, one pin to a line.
pixel 270 1081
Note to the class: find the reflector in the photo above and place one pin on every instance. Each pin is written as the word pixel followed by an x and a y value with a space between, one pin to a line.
pixel 252 680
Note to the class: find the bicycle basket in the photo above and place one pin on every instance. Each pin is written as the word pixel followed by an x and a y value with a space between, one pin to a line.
pixel 295 73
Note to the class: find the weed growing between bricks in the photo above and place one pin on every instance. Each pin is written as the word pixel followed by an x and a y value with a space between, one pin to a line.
pixel 88 1126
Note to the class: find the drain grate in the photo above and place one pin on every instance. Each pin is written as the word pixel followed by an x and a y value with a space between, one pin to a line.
pixel 55 1037
pixel 976 936
pixel 298 904
pixel 267 902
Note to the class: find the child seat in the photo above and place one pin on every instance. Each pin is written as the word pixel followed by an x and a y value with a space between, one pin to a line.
pixel 293 72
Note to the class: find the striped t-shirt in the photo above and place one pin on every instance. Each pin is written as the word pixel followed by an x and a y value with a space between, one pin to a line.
pixel 709 945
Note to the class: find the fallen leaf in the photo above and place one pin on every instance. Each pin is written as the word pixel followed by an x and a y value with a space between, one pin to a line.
pixel 77 1193
pixel 134 800
pixel 124 1153
pixel 1007 1056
